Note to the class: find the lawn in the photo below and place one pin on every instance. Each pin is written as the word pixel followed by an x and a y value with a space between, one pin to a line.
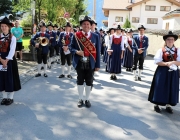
pixel 26 40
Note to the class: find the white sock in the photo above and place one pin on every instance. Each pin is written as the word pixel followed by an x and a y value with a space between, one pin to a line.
pixel 39 68
pixel 45 68
pixel 134 72
pixel 4 94
pixel 88 91
pixel 49 62
pixel 11 95
pixel 139 73
pixel 63 67
pixel 69 70
pixel 80 91
pixel 168 105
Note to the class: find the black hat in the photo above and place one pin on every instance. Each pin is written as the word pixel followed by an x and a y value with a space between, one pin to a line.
pixel 130 31
pixel 42 23
pixel 94 22
pixel 55 25
pixel 122 29
pixel 170 34
pixel 50 24
pixel 6 21
pixel 86 18
pixel 75 30
pixel 118 27
pixel 101 29
pixel 141 27
pixel 67 24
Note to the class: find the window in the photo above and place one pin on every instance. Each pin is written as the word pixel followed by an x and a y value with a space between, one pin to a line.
pixel 135 20
pixel 165 8
pixel 150 8
pixel 167 26
pixel 152 21
pixel 119 19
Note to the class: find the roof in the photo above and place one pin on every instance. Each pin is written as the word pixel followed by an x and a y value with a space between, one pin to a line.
pixel 116 4
pixel 125 4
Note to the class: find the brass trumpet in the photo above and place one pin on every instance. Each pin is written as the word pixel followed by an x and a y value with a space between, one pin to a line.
pixel 44 41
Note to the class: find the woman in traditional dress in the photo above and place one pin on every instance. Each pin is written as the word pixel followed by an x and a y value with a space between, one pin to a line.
pixel 165 85
pixel 128 56
pixel 115 50
pixel 9 77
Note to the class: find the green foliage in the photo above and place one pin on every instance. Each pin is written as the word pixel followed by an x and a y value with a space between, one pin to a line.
pixel 53 9
pixel 5 6
pixel 27 22
pixel 127 23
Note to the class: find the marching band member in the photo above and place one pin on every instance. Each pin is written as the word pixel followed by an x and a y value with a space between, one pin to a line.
pixel 52 43
pixel 42 51
pixel 93 28
pixel 9 76
pixel 123 33
pixel 165 85
pixel 86 50
pixel 65 39
pixel 115 50
pixel 128 56
pixel 102 41
pixel 140 46
pixel 56 47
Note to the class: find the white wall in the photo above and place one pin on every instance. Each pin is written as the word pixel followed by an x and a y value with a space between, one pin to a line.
pixel 113 14
pixel 139 11
pixel 171 24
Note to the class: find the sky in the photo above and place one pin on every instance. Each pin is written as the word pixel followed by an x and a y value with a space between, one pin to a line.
pixel 99 13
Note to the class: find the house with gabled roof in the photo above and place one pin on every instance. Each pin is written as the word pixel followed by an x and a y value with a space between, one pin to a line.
pixel 146 12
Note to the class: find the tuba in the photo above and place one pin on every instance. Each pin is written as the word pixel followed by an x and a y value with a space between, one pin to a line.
pixel 44 41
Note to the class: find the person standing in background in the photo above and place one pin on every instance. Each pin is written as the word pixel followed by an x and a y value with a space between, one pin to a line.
pixel 18 32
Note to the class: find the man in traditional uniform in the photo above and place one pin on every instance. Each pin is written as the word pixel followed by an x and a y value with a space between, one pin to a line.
pixel 140 46
pixel 42 51
pixel 52 43
pixel 56 48
pixel 86 50
pixel 65 39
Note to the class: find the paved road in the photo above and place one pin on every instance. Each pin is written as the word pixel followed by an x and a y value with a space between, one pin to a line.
pixel 45 109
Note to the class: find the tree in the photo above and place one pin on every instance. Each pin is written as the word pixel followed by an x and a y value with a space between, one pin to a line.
pixel 127 23
pixel 5 7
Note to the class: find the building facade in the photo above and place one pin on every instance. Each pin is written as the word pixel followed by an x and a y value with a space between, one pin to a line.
pixel 146 12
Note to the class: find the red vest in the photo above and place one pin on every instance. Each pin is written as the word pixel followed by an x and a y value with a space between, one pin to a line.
pixel 86 52
pixel 5 45
pixel 167 57
pixel 129 42
pixel 116 41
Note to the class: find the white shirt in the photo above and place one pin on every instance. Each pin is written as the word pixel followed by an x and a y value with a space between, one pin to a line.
pixel 129 39
pixel 116 36
pixel 159 55
pixel 107 40
pixel 89 33
pixel 12 47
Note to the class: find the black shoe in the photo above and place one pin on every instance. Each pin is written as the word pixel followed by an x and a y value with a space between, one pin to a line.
pixel 61 76
pixel 139 78
pixel 52 62
pixel 37 75
pixel 112 77
pixel 115 78
pixel 9 101
pixel 69 76
pixel 127 69
pixel 87 103
pixel 58 63
pixel 157 109
pixel 169 110
pixel 45 75
pixel 3 102
pixel 80 103
pixel 42 68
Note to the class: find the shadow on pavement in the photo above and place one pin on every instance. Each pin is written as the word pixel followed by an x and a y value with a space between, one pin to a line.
pixel 124 122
